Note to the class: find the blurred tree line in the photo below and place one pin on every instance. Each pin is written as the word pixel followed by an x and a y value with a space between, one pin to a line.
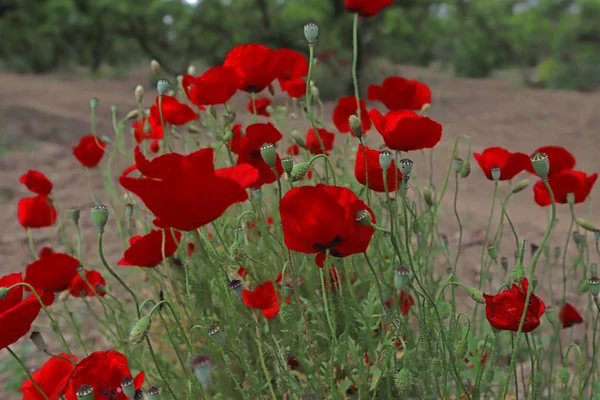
pixel 552 43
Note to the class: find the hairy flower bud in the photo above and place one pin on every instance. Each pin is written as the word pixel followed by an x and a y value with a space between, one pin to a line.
pixel 140 330
pixel 458 164
pixel 518 272
pixel 128 387
pixel 288 165
pixel 385 159
pixel 583 286
pixel 475 294
pixel 298 139
pixel 356 126
pixel 94 103
pixel 74 215
pixel 428 196
pixel 406 166
pixel 163 86
pixel 402 380
pixel 311 33
pixel 100 216
pixel 541 165
pixel 465 170
pixel 139 93
pixel 269 154
pixel 504 263
pixel 38 340
pixel 493 252
pixel 564 376
pixel 85 392
pixel 461 349
pixel 299 171
pixel 585 224
pixel 522 184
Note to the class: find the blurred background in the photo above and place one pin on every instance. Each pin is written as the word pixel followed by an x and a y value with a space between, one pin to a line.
pixel 535 43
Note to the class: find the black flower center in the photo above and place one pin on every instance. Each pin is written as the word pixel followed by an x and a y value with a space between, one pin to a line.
pixel 323 248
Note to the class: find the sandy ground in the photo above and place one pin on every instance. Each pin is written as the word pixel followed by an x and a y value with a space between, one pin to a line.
pixel 41 118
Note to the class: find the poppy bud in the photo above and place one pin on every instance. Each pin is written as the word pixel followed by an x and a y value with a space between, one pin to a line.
pixel 541 165
pixel 100 288
pixel 356 126
pixel 269 154
pixel 129 210
pixel 475 294
pixel 127 386
pixel 406 166
pixel 564 376
pixel 461 349
pixel 163 86
pixel 577 238
pixel 313 90
pixel 385 159
pixel 402 380
pixel 493 252
pixel 520 185
pixel 298 139
pixel 154 393
pixel 585 224
pixel 140 330
pixel 552 315
pixel 311 33
pixel 38 341
pixel 3 293
pixel 401 278
pixel 496 173
pixel 139 93
pixel 85 392
pixel 518 272
pixel 458 164
pixel 287 164
pixel 201 367
pixel 583 286
pixel 299 171
pixel 428 196
pixel 444 239
pixel 557 252
pixel 216 334
pixel 94 103
pixel 363 217
pixel 74 215
pixel 64 295
pixel 191 70
pixel 465 170
pixel 443 308
pixel 594 285
pixel 155 66
pixel 100 216
pixel 504 263
pixel 235 285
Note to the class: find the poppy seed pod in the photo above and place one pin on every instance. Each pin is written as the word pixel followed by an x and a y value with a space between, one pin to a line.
pixel 475 294
pixel 229 118
pixel 465 170
pixel 235 285
pixel 269 154
pixel 202 370
pixel 493 252
pixel 163 86
pixel 154 393
pixel 216 334
pixel 406 166
pixel 458 164
pixel 428 196
pixel 38 341
pixel 311 33
pixel 155 67
pixel 257 194
pixel 541 165
pixel 401 278
pixel 594 286
pixel 85 392
pixel 552 315
pixel 496 172
pixel 504 263
pixel 100 216
pixel 522 184
pixel 94 103
pixel 363 217
pixel 129 210
pixel 356 126
pixel 385 159
pixel 138 395
pixel 139 93
pixel 299 171
pixel 288 164
pixel 585 224
pixel 74 215
pixel 128 387
pixel 140 330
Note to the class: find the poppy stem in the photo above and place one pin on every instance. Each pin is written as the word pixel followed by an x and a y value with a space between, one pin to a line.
pixel 24 368
pixel 362 145
pixel 31 245
pixel 355 63
pixel 262 362
pixel 162 125
pixel 160 373
pixel 76 327
pixel 459 246
pixel 328 164
pixel 308 101
pixel 538 253
pixel 454 155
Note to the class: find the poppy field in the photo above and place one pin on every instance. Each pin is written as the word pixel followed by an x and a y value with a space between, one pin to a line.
pixel 303 254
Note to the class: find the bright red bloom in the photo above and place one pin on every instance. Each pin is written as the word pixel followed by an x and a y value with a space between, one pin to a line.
pixel 183 192
pixel 78 287
pixel 36 212
pixel 291 65
pixel 242 272
pixel 173 112
pixel 16 314
pixel 247 147
pixel 259 64
pixel 36 182
pixel 320 218
pixel 346 107
pixel 569 316
pixel 510 164
pixel 367 8
pixel 397 93
pixel 52 378
pixel 265 298
pixel 155 129
pixel 261 107
pixel 405 300
pixel 216 86
pixel 53 272
pixel 562 183
pixel 393 174
pixel 504 310
pixel 293 150
pixel 296 88
pixel 89 151
pixel 405 130
pixel 147 251
pixel 559 159
pixel 312 143
pixel 104 371
pixel 244 174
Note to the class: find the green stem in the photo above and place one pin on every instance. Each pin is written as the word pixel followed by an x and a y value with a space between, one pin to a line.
pixel 31 245
pixel 76 327
pixel 160 372
pixel 329 164
pixel 162 125
pixel 24 368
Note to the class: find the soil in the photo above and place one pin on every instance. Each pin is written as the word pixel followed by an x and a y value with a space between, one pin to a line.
pixel 42 117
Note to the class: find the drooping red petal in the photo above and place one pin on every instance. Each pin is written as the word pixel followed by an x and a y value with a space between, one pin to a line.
pixel 36 182
pixel 36 212
pixel 89 151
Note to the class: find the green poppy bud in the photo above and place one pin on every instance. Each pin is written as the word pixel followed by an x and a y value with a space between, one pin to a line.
pixel 74 215
pixel 385 159
pixel 476 294
pixel 288 164
pixel 363 217
pixel 355 126
pixel 299 171
pixel 163 86
pixel 557 251
pixel 564 376
pixel 461 349
pixel 493 252
pixel 504 263
pixel 3 293
pixel 444 308
pixel 269 154
pixel 311 33
pixel 496 172
pixel 202 370
pixel 465 170
pixel 154 393
pixel 401 278
pixel 216 334
pixel 140 330
pixel 406 166
pixel 458 164
pixel 100 216
pixel 94 103
pixel 551 315
pixel 520 185
pixel 402 380
pixel 428 196
pixel 583 286
pixel 299 139
pixel 85 392
pixel 38 341
pixel 585 224
pixel 594 285
pixel 129 211
pixel 518 272
pixel 541 165
pixel 235 285
pixel 128 387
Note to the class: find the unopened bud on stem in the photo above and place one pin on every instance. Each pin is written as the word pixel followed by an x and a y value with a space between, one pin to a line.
pixel 155 67
pixel 355 126
pixel 139 93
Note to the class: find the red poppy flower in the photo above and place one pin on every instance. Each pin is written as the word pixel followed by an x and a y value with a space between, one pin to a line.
pixel 53 272
pixel 36 212
pixel 405 131
pixel 242 272
pixel 559 159
pixel 78 287
pixel 293 150
pixel 173 112
pixel 375 171
pixel 36 182
pixel 183 192
pixel 89 151
pixel 17 314
pixel 259 64
pixel 367 8
pixel 562 183
pixel 291 65
pixel 346 107
pixel 569 316
pixel 244 174
pixel 397 93
pixel 261 107
pixel 504 310
pixel 52 378
pixel 406 301
pixel 510 164
pixel 147 251
pixel 216 86
pixel 155 146
pixel 103 371
pixel 296 88
pixel 247 147
pixel 155 129
pixel 320 218
pixel 312 143
pixel 265 298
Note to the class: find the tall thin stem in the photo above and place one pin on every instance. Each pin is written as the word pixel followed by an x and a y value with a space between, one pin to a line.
pixel 24 368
